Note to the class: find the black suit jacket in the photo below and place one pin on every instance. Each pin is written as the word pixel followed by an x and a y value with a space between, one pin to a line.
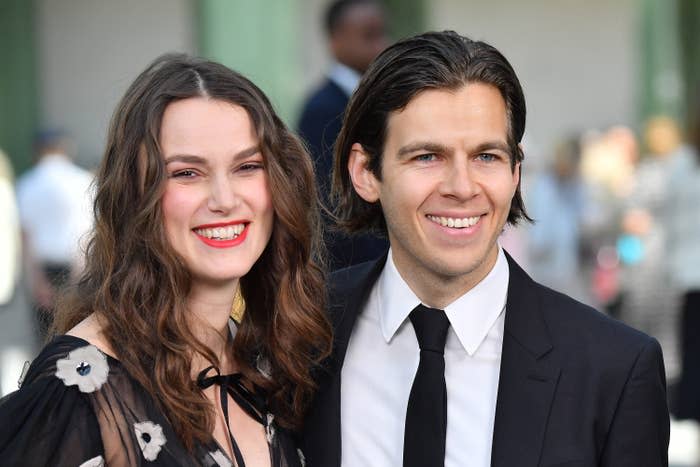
pixel 576 388
pixel 319 125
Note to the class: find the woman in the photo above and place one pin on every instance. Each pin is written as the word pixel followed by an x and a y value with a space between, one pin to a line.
pixel 202 190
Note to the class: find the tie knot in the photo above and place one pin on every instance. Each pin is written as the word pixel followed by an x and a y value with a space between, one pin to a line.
pixel 431 327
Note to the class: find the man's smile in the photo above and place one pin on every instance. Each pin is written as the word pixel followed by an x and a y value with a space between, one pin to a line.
pixel 454 222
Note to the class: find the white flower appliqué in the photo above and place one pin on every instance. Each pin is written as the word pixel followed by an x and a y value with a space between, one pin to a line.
pixel 220 459
pixel 85 366
pixel 150 438
pixel 94 462
pixel 302 458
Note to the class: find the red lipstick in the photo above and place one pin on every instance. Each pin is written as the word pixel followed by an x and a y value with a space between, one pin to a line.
pixel 223 243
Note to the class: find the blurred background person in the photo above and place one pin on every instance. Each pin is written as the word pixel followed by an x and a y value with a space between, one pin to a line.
pixel 13 348
pixel 556 203
pixel 10 243
pixel 683 251
pixel 356 31
pixel 55 213
pixel 608 161
pixel 650 301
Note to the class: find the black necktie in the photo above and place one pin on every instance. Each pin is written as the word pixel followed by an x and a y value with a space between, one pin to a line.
pixel 426 415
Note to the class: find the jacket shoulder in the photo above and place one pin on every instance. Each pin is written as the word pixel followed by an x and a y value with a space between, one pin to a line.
pixel 347 281
pixel 587 332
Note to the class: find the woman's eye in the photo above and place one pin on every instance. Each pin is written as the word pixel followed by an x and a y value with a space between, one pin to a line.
pixel 187 173
pixel 250 166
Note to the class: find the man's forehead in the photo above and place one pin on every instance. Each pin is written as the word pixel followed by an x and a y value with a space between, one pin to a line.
pixel 458 102
pixel 360 14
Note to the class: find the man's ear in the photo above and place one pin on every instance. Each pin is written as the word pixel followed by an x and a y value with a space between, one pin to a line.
pixel 517 170
pixel 365 183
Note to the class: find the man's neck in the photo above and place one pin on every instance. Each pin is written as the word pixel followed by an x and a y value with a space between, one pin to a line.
pixel 438 290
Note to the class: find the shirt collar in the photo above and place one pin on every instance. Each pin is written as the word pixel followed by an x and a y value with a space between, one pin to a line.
pixel 396 299
pixel 471 316
pixel 345 77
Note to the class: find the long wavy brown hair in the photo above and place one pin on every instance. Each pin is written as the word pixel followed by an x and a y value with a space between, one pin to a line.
pixel 138 285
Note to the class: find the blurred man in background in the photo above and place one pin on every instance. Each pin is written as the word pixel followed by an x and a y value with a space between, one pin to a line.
pixel 9 232
pixel 557 203
pixel 55 213
pixel 356 31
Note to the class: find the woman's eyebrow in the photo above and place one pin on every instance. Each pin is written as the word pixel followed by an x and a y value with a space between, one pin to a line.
pixel 194 159
pixel 188 158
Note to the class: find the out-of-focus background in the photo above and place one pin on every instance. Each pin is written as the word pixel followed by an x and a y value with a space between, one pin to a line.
pixel 611 86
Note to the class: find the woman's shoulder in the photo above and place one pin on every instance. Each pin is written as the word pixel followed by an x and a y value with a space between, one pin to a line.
pixel 80 405
pixel 66 371
pixel 52 409
pixel 91 330
pixel 82 357
pixel 73 361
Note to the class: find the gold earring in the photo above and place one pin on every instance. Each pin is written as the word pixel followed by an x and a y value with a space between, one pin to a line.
pixel 238 306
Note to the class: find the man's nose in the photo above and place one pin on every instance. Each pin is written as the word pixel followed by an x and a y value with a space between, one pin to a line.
pixel 459 181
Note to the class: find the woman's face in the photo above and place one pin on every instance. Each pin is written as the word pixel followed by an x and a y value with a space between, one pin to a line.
pixel 217 207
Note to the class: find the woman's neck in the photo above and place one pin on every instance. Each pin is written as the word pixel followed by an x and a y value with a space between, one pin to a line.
pixel 210 308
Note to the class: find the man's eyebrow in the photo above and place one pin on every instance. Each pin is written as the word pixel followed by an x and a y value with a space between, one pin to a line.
pixel 423 146
pixel 194 159
pixel 491 145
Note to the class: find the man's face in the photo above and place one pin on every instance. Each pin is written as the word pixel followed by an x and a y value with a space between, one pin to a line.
pixel 360 36
pixel 446 187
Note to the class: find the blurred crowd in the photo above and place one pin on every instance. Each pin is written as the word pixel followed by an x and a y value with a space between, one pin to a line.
pixel 616 226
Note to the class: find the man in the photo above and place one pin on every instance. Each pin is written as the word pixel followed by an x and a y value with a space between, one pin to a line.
pixel 357 33
pixel 55 214
pixel 510 374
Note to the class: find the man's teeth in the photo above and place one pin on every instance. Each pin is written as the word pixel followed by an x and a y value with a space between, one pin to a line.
pixel 221 233
pixel 455 223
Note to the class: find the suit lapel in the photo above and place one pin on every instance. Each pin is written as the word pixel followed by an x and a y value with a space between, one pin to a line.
pixel 349 291
pixel 528 377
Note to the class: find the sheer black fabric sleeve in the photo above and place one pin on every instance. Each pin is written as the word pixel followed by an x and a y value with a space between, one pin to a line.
pixel 47 422
pixel 79 407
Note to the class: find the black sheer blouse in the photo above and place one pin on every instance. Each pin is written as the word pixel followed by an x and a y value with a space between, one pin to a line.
pixel 79 407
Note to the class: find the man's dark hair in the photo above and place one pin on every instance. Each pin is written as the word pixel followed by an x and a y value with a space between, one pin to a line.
pixel 336 11
pixel 433 60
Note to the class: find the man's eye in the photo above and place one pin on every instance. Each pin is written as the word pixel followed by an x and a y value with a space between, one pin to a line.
pixel 425 157
pixel 486 157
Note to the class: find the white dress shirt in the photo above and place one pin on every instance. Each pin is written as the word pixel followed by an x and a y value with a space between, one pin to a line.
pixel 55 208
pixel 345 77
pixel 382 360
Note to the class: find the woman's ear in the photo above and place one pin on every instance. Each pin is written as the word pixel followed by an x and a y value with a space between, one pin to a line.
pixel 363 179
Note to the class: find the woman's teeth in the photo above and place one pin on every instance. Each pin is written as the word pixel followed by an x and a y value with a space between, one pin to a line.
pixel 221 233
